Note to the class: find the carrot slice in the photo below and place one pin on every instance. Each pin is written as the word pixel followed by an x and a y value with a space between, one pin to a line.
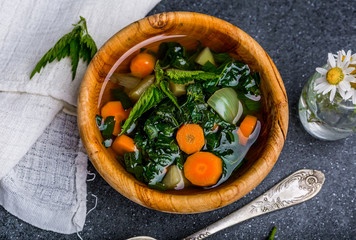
pixel 246 128
pixel 190 138
pixel 123 144
pixel 142 65
pixel 115 109
pixel 112 108
pixel 203 168
pixel 247 125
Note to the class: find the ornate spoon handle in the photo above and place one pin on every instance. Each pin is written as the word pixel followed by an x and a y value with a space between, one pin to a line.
pixel 296 188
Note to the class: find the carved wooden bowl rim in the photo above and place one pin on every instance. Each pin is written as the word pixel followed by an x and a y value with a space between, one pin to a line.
pixel 201 200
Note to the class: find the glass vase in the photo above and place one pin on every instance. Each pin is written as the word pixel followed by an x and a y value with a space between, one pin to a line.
pixel 325 119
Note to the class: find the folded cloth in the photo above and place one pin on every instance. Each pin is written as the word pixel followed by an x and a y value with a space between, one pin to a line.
pixel 47 188
pixel 47 183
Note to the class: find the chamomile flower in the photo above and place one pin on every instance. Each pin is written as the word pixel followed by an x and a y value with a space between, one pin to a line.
pixel 351 93
pixel 336 77
pixel 352 57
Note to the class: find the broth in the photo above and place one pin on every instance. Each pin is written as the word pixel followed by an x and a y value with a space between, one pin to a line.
pixel 227 143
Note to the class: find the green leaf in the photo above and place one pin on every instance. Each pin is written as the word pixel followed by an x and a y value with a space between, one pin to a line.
pixel 88 41
pixel 195 93
pixel 158 72
pixel 74 55
pixel 108 128
pixel 182 76
pixel 174 55
pixel 273 232
pixel 221 58
pixel 238 75
pixel 84 53
pixel 63 53
pixel 119 95
pixel 209 67
pixel 150 98
pixel 165 88
pixel 76 44
pixel 250 106
pixel 134 164
pixel 52 54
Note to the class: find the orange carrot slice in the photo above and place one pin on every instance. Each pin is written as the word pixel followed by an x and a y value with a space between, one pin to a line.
pixel 123 144
pixel 248 125
pixel 190 138
pixel 246 128
pixel 142 65
pixel 115 109
pixel 203 168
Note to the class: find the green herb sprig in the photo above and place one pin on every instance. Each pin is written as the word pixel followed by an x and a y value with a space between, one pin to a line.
pixel 273 232
pixel 76 44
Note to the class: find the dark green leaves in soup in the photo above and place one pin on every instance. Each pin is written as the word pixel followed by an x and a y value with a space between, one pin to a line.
pixel 182 118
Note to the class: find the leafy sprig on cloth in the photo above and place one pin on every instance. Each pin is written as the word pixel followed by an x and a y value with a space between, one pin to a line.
pixel 76 44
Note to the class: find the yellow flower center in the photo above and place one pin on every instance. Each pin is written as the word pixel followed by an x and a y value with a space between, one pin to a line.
pixel 353 85
pixel 334 76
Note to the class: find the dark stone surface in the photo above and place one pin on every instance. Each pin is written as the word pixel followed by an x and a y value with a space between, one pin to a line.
pixel 297 35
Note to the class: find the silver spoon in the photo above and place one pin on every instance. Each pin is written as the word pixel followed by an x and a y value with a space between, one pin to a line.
pixel 296 188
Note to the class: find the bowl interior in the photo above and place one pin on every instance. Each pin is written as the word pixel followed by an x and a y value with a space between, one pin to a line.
pixel 187 29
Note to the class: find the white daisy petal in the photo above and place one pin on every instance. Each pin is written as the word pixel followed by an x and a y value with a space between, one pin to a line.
pixel 348 94
pixel 345 64
pixel 322 71
pixel 348 55
pixel 348 70
pixel 328 89
pixel 322 86
pixel 353 57
pixel 331 60
pixel 343 52
pixel 320 80
pixel 339 60
pixel 344 85
pixel 332 94
pixel 354 98
pixel 342 93
pixel 349 78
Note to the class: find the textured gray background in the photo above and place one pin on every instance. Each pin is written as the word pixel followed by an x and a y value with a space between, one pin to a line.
pixel 297 35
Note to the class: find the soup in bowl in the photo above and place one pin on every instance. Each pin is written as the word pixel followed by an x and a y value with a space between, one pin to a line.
pixel 182 112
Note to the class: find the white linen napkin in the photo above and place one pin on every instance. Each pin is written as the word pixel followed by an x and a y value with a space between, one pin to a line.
pixel 46 185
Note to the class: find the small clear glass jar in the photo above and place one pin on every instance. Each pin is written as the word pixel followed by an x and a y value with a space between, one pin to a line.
pixel 324 119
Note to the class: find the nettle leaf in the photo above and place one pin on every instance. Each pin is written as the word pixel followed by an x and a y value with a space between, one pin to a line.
pixel 88 41
pixel 183 76
pixel 165 88
pixel 74 55
pixel 158 72
pixel 150 98
pixel 76 44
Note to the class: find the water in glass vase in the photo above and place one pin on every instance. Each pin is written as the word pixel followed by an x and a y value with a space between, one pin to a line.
pixel 324 119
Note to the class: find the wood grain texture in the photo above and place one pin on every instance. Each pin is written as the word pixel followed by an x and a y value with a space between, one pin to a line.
pixel 221 37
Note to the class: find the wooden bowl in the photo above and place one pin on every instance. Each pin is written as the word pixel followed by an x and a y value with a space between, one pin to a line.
pixel 221 36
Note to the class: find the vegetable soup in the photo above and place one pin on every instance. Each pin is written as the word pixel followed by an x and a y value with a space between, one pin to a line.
pixel 179 118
